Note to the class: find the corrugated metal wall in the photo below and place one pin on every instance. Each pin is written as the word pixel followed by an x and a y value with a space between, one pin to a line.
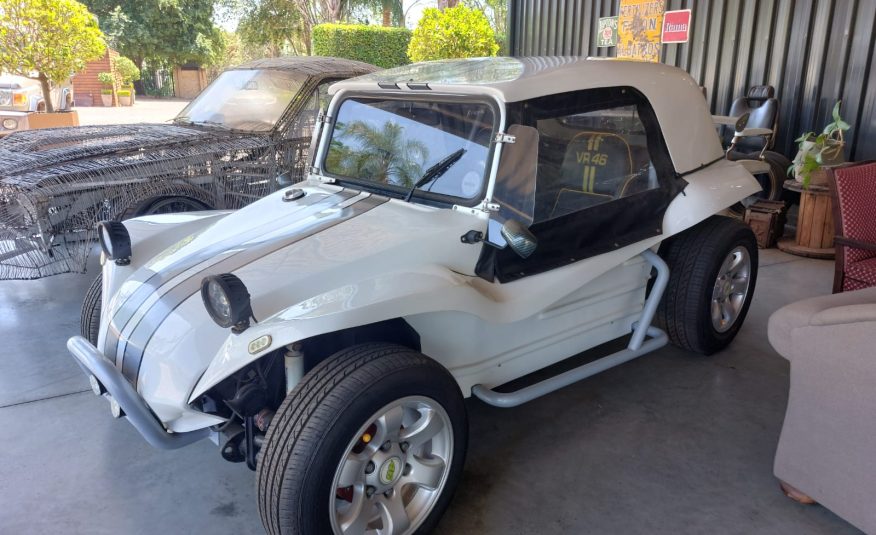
pixel 813 51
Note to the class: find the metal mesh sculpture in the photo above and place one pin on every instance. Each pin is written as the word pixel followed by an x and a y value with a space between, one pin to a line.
pixel 56 184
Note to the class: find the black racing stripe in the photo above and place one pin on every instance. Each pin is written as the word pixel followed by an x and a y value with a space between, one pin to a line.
pixel 155 316
pixel 154 280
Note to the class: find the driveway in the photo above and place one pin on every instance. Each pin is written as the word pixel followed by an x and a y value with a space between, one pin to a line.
pixel 145 110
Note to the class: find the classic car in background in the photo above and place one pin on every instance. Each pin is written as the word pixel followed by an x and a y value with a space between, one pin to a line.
pixel 243 137
pixel 21 96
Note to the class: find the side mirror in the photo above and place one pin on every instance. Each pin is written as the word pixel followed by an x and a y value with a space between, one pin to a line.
pixel 519 239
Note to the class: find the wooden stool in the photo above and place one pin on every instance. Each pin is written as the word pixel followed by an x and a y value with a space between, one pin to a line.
pixel 814 222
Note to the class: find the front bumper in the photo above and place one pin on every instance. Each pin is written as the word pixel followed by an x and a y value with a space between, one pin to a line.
pixel 134 407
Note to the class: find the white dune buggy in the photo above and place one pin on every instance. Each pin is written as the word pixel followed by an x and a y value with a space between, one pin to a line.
pixel 464 223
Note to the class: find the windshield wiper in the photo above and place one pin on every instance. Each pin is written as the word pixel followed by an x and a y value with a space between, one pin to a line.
pixel 436 171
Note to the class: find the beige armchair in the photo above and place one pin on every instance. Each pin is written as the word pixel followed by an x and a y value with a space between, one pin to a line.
pixel 827 450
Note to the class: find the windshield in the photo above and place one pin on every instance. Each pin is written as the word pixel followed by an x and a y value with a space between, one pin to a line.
pixel 443 146
pixel 251 100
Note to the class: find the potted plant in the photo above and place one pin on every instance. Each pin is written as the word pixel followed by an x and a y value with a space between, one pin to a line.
pixel 124 97
pixel 106 92
pixel 128 73
pixel 816 152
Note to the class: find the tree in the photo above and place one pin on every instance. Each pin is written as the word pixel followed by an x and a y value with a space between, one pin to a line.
pixel 163 31
pixel 496 12
pixel 456 32
pixel 126 70
pixel 275 26
pixel 52 38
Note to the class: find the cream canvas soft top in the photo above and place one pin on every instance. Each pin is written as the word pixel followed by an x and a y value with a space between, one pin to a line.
pixel 675 96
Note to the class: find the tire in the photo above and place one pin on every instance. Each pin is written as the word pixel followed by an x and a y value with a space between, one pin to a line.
pixel 696 260
pixel 319 424
pixel 770 182
pixel 89 319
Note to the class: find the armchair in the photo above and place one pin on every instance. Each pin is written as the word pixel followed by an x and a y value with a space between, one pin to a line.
pixel 854 206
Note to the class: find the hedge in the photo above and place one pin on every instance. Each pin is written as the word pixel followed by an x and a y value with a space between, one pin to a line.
pixel 377 45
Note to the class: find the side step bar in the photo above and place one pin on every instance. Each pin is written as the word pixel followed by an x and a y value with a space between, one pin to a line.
pixel 637 347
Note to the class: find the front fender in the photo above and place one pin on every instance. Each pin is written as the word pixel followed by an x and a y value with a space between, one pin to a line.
pixel 388 296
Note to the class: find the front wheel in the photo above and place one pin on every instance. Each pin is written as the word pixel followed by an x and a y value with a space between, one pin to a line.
pixel 712 274
pixel 89 319
pixel 373 438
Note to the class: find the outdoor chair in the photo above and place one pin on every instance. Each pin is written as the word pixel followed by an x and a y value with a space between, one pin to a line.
pixel 854 208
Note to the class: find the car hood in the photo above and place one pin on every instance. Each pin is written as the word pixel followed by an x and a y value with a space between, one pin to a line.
pixel 285 252
pixel 35 152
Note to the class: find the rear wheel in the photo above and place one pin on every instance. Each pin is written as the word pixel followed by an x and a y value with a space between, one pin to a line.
pixel 373 438
pixel 713 270
pixel 89 319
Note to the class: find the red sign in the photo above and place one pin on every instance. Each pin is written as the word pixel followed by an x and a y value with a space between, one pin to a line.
pixel 676 26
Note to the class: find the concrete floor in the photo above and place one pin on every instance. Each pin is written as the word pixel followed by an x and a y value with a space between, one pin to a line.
pixel 670 443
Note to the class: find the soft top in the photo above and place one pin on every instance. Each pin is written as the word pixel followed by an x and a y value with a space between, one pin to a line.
pixel 676 98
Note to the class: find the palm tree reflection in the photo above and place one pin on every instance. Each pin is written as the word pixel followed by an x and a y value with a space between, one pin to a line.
pixel 379 154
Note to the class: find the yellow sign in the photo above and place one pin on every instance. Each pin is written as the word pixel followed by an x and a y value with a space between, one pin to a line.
pixel 639 25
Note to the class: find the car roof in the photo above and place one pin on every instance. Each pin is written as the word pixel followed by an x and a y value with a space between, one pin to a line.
pixel 677 100
pixel 320 66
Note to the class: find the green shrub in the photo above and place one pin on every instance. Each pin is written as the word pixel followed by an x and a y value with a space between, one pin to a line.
pixel 126 69
pixel 124 93
pixel 456 32
pixel 106 91
pixel 377 45
pixel 106 78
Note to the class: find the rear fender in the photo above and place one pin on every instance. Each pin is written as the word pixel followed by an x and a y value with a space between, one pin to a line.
pixel 710 191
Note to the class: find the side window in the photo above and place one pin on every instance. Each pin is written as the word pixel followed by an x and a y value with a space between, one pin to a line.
pixel 591 158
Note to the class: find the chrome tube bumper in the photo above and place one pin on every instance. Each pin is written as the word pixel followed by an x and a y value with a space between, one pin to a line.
pixel 120 391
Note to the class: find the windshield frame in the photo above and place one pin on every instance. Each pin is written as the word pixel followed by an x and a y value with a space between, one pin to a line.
pixel 419 196
pixel 182 120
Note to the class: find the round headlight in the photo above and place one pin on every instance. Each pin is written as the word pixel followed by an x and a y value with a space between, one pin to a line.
pixel 10 124
pixel 227 301
pixel 115 241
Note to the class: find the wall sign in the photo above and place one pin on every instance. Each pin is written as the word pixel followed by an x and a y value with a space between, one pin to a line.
pixel 676 26
pixel 640 24
pixel 607 34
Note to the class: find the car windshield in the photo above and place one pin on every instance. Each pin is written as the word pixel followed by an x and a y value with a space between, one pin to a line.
pixel 251 100
pixel 397 143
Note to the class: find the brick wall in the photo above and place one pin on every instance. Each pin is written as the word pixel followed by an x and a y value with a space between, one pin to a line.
pixel 86 86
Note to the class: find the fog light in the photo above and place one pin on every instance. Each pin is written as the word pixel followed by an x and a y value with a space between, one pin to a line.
pixel 115 408
pixel 115 241
pixel 10 124
pixel 227 301
pixel 259 344
pixel 96 387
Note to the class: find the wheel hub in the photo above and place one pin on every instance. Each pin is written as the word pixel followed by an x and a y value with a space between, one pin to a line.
pixel 394 470
pixel 731 289
pixel 390 470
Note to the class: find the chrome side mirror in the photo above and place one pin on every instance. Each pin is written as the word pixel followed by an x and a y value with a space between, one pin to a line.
pixel 519 238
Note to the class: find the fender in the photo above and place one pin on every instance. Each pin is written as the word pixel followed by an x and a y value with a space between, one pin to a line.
pixel 150 236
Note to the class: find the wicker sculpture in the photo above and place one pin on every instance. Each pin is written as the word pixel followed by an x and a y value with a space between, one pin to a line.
pixel 56 184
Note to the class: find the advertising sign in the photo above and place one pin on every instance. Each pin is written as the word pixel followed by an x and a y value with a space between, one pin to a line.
pixel 676 26
pixel 607 34
pixel 640 24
